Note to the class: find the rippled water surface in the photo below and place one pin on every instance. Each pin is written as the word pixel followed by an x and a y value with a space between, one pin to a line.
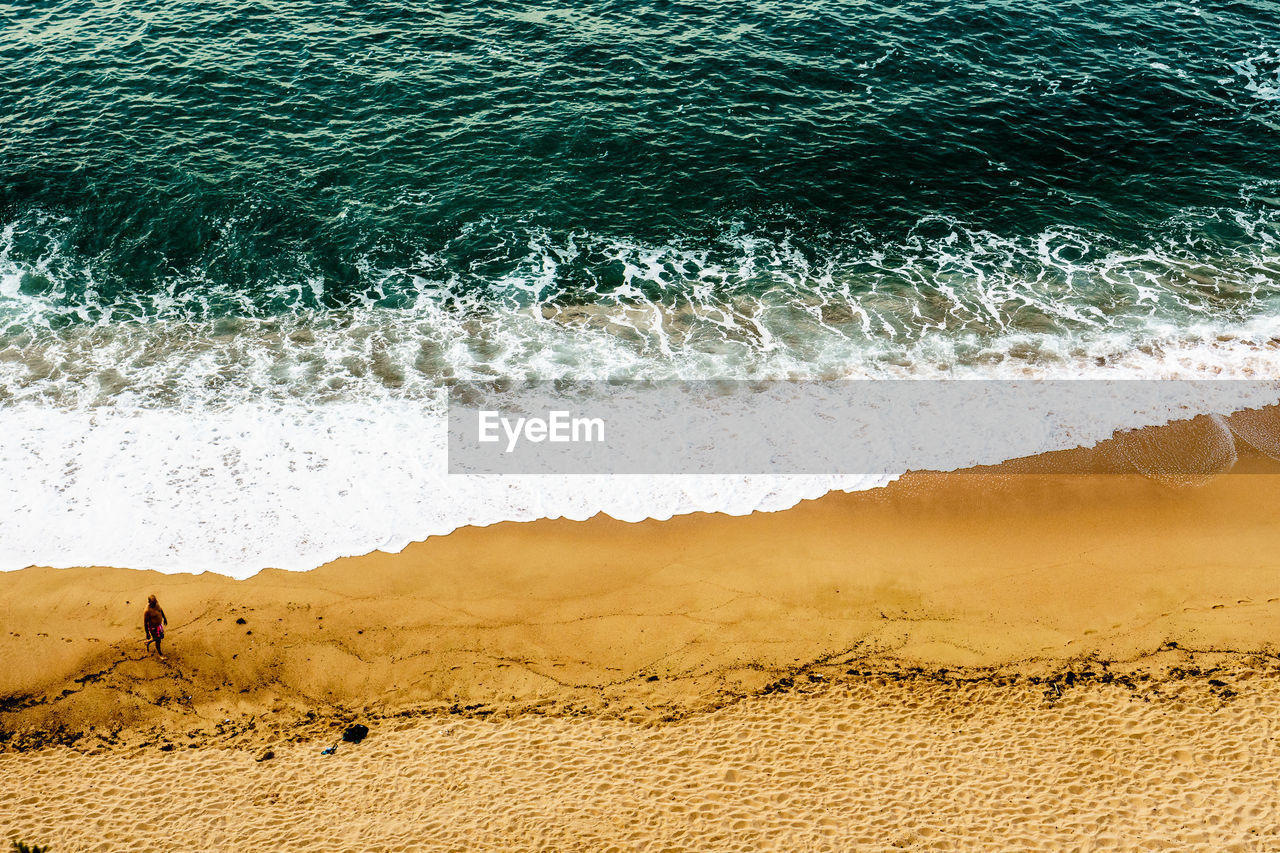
pixel 934 169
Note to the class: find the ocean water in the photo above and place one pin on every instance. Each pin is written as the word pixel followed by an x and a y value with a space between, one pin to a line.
pixel 244 245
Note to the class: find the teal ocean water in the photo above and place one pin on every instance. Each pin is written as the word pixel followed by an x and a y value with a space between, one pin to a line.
pixel 243 244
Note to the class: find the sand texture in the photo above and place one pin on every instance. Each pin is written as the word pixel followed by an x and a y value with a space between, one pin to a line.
pixel 974 661
pixel 874 764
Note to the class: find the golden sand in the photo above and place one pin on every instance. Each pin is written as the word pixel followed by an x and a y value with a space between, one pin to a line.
pixel 972 661
pixel 875 764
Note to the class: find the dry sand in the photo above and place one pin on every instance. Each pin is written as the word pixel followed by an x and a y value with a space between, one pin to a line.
pixel 971 661
pixel 874 764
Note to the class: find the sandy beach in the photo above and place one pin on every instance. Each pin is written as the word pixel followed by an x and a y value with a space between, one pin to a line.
pixel 639 427
pixel 977 660
pixel 872 763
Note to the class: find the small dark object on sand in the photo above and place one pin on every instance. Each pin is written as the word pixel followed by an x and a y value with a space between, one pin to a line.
pixel 267 755
pixel 353 734
pixel 240 621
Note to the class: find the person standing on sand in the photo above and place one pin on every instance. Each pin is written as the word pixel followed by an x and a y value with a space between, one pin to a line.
pixel 153 622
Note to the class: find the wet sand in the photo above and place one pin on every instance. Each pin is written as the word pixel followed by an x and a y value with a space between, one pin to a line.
pixel 975 660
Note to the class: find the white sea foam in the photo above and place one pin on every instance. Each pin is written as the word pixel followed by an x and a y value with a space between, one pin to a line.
pixel 1261 73
pixel 236 488
pixel 170 436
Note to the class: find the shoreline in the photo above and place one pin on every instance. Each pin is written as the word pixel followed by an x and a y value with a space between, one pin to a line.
pixel 998 566
pixel 1004 658
pixel 152 489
